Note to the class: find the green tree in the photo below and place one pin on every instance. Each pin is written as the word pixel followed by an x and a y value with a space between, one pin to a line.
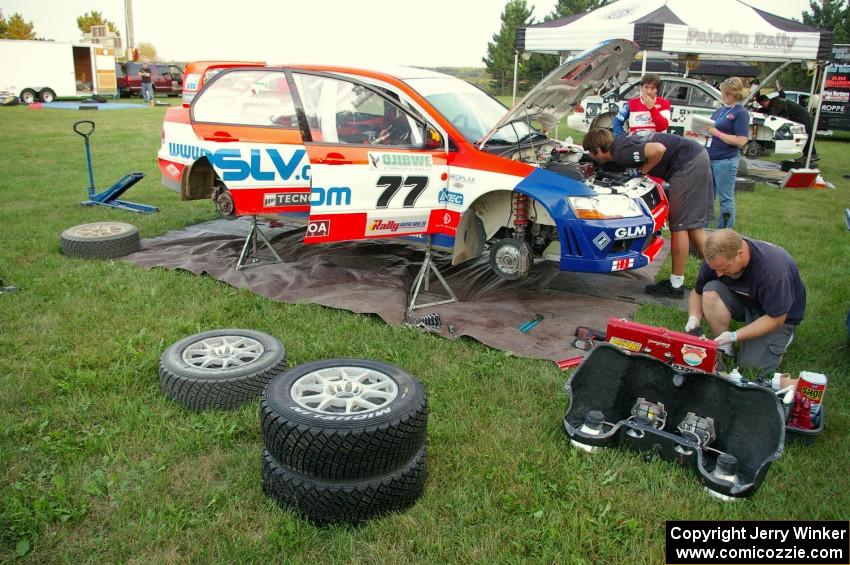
pixel 830 15
pixel 4 25
pixel 95 18
pixel 500 52
pixel 17 28
pixel 564 8
pixel 147 52
pixel 540 65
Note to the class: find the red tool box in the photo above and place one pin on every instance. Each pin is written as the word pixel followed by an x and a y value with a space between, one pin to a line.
pixel 683 351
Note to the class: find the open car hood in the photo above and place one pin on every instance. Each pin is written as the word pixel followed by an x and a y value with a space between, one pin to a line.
pixel 567 85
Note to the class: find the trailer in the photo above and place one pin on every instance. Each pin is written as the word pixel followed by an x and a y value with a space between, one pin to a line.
pixel 45 70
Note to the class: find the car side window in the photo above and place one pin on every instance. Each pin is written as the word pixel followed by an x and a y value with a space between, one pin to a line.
pixel 701 99
pixel 675 92
pixel 339 111
pixel 254 98
pixel 631 92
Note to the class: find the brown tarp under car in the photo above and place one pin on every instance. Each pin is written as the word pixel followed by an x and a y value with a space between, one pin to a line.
pixel 374 277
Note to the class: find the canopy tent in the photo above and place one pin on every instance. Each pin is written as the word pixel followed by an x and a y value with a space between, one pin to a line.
pixel 723 30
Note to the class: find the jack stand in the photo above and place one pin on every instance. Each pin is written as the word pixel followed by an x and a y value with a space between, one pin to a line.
pixel 251 241
pixel 424 276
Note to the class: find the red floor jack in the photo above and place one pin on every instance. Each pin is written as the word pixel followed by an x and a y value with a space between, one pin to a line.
pixel 109 197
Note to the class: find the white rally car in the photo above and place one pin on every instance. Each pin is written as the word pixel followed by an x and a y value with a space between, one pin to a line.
pixel 366 153
pixel 689 98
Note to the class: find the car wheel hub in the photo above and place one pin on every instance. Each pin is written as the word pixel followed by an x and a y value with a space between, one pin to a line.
pixel 99 230
pixel 223 352
pixel 344 390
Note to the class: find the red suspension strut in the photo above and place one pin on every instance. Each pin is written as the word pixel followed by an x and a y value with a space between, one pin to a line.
pixel 519 204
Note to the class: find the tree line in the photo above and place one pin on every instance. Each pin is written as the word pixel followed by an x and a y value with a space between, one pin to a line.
pixel 16 27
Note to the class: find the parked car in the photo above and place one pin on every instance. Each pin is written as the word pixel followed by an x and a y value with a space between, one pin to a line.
pixel 688 98
pixel 167 79
pixel 198 72
pixel 366 154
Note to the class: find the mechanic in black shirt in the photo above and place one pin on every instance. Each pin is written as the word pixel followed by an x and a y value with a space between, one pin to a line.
pixel 754 282
pixel 684 164
pixel 790 110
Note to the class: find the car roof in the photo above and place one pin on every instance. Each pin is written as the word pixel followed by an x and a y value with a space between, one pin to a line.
pixel 394 71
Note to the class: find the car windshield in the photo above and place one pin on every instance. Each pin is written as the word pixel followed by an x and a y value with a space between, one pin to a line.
pixel 472 111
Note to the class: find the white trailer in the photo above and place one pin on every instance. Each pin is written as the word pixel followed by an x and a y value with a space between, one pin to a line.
pixel 44 70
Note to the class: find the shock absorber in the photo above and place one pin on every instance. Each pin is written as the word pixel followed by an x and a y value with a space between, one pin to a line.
pixel 519 204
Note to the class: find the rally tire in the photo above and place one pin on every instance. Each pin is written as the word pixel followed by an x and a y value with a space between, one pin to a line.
pixel 100 240
pixel 336 443
pixel 323 502
pixel 220 369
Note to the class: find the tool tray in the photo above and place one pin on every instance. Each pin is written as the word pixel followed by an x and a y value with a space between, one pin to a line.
pixel 748 419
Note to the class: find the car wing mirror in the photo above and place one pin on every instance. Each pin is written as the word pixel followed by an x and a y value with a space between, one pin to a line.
pixel 433 138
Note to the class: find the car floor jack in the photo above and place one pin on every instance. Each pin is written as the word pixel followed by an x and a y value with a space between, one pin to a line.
pixel 251 242
pixel 424 275
pixel 109 197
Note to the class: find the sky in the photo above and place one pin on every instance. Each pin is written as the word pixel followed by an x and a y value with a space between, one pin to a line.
pixel 435 33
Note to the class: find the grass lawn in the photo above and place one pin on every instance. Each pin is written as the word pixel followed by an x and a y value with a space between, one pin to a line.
pixel 97 465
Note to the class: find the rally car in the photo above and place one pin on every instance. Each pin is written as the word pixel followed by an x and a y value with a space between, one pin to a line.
pixel 407 152
pixel 689 98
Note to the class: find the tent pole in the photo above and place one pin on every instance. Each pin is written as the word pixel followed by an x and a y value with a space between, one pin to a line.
pixel 822 67
pixel 643 64
pixel 516 66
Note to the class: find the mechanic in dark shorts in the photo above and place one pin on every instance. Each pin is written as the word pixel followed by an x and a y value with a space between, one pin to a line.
pixel 684 164
pixel 754 282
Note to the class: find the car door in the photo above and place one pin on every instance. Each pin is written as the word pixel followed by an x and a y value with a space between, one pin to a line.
pixel 371 173
pixel 245 123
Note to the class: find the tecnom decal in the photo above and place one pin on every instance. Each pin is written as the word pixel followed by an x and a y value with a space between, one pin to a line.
pixel 236 168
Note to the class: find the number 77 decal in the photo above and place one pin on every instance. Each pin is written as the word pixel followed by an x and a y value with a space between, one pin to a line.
pixel 391 184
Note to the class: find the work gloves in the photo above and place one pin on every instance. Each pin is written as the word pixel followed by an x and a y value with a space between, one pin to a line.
pixel 726 338
pixel 693 323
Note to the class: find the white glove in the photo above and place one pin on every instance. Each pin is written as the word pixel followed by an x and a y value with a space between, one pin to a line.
pixel 693 323
pixel 726 338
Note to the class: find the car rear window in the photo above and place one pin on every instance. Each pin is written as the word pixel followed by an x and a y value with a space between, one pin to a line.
pixel 259 98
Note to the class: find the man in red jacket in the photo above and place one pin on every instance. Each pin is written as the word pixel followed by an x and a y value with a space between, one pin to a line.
pixel 647 113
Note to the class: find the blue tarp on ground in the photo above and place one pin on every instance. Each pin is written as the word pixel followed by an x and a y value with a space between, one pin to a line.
pixel 91 106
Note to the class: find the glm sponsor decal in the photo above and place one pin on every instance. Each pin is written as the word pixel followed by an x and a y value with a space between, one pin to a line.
pixel 630 233
pixel 399 162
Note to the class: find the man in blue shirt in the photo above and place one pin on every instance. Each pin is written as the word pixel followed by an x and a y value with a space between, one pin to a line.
pixel 754 282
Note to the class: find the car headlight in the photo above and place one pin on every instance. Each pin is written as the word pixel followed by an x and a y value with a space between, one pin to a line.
pixel 604 207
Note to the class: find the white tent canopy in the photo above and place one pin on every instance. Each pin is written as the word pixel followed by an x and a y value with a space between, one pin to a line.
pixel 720 29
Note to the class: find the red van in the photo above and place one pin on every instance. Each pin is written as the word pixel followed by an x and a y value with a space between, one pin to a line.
pixel 167 79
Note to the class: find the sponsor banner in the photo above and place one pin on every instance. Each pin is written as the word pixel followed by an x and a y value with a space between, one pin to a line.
pixel 381 225
pixel 322 228
pixel 444 222
pixel 622 264
pixel 449 198
pixel 625 343
pixel 402 162
pixel 235 164
pixel 270 200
